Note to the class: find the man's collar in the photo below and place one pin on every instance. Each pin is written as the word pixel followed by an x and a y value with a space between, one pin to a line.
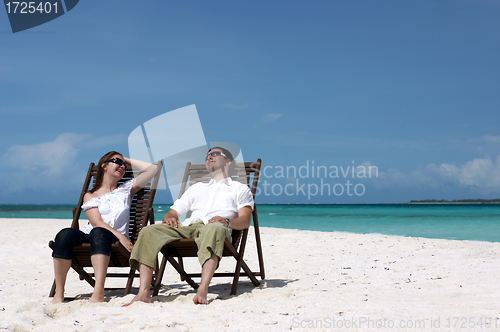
pixel 227 181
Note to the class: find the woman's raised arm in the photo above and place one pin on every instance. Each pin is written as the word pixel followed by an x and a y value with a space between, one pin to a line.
pixel 147 170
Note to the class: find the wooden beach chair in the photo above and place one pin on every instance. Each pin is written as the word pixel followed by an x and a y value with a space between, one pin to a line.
pixel 141 212
pixel 247 173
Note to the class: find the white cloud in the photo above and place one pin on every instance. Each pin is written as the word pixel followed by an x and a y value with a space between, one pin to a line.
pixel 478 173
pixel 270 117
pixel 46 164
pixel 49 165
pixel 48 158
pixel 481 175
pixel 491 138
pixel 111 140
pixel 236 107
pixel 329 140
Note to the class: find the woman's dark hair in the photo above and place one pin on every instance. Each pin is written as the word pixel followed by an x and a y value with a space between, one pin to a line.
pixel 100 169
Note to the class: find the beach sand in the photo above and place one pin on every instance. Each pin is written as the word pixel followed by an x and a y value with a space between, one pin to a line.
pixel 314 281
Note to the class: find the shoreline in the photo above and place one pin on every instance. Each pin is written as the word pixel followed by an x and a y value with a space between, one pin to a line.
pixel 461 203
pixel 69 205
pixel 401 203
pixel 451 229
pixel 333 277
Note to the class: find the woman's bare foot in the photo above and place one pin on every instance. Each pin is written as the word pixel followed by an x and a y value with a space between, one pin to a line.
pixel 200 297
pixel 139 298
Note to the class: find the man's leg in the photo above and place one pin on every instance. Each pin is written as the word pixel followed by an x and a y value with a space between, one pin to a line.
pixel 207 273
pixel 143 258
pixel 210 242
pixel 146 275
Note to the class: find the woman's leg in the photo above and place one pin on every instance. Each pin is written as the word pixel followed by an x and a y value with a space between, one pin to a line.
pixel 100 264
pixel 61 268
pixel 64 242
pixel 100 243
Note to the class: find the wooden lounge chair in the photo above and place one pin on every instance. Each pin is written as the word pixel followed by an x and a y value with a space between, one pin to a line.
pixel 247 173
pixel 141 211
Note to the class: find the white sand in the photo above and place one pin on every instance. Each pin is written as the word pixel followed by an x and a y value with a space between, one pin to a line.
pixel 313 280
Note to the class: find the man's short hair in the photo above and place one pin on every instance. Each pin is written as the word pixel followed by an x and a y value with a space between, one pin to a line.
pixel 225 151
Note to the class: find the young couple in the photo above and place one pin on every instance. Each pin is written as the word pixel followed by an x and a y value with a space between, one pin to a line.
pixel 216 207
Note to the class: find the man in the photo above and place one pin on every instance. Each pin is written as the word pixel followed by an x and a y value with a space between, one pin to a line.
pixel 216 206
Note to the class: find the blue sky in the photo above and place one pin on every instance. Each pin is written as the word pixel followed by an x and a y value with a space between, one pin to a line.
pixel 408 87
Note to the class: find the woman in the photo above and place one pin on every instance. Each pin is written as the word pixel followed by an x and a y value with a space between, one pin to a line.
pixel 107 208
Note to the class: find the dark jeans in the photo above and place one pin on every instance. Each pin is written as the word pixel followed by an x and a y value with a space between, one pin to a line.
pixel 100 240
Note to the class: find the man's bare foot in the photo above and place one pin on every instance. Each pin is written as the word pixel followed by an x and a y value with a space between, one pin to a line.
pixel 139 298
pixel 200 297
pixel 96 299
pixel 58 299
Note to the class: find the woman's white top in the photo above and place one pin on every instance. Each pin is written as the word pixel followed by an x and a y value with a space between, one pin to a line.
pixel 114 208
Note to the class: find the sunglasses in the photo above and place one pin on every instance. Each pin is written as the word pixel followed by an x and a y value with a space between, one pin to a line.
pixel 215 154
pixel 117 161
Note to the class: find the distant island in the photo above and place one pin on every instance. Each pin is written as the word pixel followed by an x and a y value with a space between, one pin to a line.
pixel 457 201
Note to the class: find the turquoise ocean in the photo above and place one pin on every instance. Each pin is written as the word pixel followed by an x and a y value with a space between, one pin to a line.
pixel 479 222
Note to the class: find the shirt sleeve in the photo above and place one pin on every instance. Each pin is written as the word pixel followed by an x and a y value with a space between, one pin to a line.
pixel 91 203
pixel 245 198
pixel 126 187
pixel 183 204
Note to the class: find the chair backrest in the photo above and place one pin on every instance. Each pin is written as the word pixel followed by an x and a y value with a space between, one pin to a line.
pixel 141 207
pixel 246 173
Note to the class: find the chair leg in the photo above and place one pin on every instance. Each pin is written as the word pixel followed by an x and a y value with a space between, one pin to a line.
pixel 240 264
pixel 53 289
pixel 181 264
pixel 130 281
pixel 237 271
pixel 183 273
pixel 155 274
pixel 84 275
pixel 159 276
pixel 236 278
pixel 258 244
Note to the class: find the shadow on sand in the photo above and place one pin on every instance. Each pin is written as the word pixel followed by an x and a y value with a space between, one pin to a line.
pixel 169 293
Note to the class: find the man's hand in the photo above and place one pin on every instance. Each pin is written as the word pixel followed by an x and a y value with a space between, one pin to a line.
pixel 171 218
pixel 174 222
pixel 218 219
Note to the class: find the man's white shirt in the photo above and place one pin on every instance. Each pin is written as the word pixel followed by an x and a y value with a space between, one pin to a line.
pixel 207 200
